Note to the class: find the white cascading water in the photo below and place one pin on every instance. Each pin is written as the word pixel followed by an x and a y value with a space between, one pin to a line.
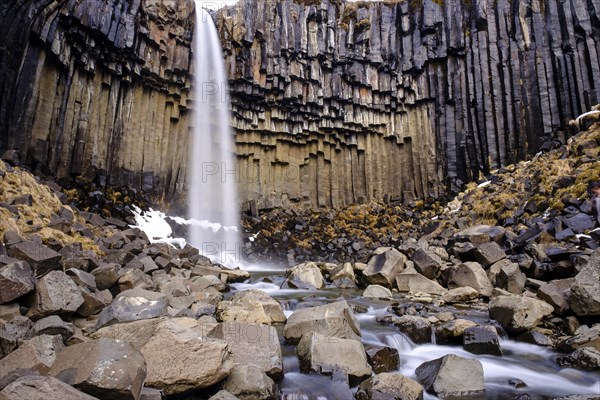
pixel 213 201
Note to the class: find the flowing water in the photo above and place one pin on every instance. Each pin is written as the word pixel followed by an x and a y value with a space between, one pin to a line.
pixel 213 201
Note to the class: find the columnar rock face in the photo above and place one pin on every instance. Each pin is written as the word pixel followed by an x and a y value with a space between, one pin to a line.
pixel 335 102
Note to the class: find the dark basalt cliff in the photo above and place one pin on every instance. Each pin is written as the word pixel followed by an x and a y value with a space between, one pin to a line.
pixel 333 102
pixel 336 102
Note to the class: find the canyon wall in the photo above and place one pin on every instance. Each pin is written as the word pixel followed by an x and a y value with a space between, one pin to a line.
pixel 333 102
pixel 337 102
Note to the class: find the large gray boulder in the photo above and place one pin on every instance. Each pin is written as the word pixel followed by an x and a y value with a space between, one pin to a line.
pixel 377 292
pixel 16 280
pixel 511 278
pixel 487 254
pixel 482 340
pixel 251 306
pixel 249 382
pixel 334 319
pixel 585 292
pixel 41 258
pixel 104 368
pixel 387 386
pixel 452 377
pixel 133 305
pixel 518 313
pixel 35 387
pixel 413 282
pixel 38 354
pixel 427 263
pixel 470 274
pixel 383 268
pixel 326 354
pixel 418 329
pixel 55 293
pixel 306 276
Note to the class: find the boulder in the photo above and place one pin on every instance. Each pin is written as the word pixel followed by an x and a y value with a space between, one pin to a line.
pixel 333 319
pixel 327 354
pixel 55 293
pixel 136 333
pixel 584 337
pixel 518 313
pixel 460 295
pixel 252 344
pixel 133 305
pixel 377 292
pixel 12 332
pixel 130 278
pixel 580 223
pixel 151 394
pixel 306 276
pixel 248 382
pixel 452 377
pixel 180 359
pixel 536 338
pixel 452 331
pixel 413 282
pixel 252 306
pixel 94 301
pixel 383 359
pixel 482 340
pixel 418 329
pixel 475 235
pixel 387 386
pixel 427 263
pixel 38 354
pixel 41 258
pixel 556 293
pixel 583 358
pixel 42 388
pixel 54 325
pixel 470 274
pixel 383 268
pixel 487 254
pixel 223 395
pixel 585 291
pixel 82 278
pixel 511 278
pixel 343 272
pixel 16 280
pixel 106 276
pixel 104 368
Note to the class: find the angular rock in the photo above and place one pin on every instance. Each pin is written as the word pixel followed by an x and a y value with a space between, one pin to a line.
pixel 41 258
pixel 511 278
pixel 11 332
pixel 487 254
pixel 106 276
pixel 452 377
pixel 133 305
pixel 470 274
pixel 306 276
pixel 38 354
pixel 580 223
pixel 518 313
pixel 82 278
pixel 55 293
pixel 460 295
pixel 327 354
pixel 54 325
pixel 427 263
pixel 583 358
pixel 452 331
pixel 151 394
pixel 42 388
pixel 418 329
pixel 585 292
pixel 584 337
pixel 534 337
pixel 386 386
pixel 93 301
pixel 556 293
pixel 16 280
pixel 417 283
pixel 252 306
pixel 104 368
pixel 252 344
pixel 482 340
pixel 248 382
pixel 223 395
pixel 383 268
pixel 377 292
pixel 476 235
pixel 334 319
pixel 383 359
pixel 131 278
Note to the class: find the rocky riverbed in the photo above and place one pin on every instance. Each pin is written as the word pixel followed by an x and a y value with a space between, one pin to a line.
pixel 404 301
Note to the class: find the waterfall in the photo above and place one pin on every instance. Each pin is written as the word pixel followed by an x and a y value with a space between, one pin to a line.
pixel 213 201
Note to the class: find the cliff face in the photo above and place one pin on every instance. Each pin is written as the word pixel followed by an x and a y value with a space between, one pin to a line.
pixel 99 88
pixel 336 102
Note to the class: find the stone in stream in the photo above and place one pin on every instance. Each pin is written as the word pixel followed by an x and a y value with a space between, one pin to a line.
pixel 583 358
pixel 383 268
pixel 385 386
pixel 585 291
pixel 584 337
pixel 333 319
pixel 418 329
pixel 252 344
pixel 42 388
pixel 536 338
pixel 104 368
pixel 518 313
pixel 252 306
pixel 38 354
pixel 452 377
pixel 377 292
pixel 383 359
pixel 248 382
pixel 55 293
pixel 327 354
pixel 305 276
pixel 42 259
pixel 427 263
pixel 452 331
pixel 16 280
pixel 12 332
pixel 413 282
pixel 133 305
pixel 482 340
pixel 470 274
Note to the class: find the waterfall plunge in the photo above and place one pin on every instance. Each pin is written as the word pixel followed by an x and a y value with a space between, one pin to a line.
pixel 213 202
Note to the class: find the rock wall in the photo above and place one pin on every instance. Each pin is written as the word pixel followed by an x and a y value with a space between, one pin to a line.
pixel 98 88
pixel 337 102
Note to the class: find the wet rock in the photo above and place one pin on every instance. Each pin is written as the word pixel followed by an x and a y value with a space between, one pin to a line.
pixel 377 292
pixel 452 331
pixel 252 306
pixel 327 354
pixel 470 274
pixel 383 359
pixel 518 313
pixel 16 280
pixel 482 340
pixel 248 382
pixel 41 258
pixel 451 377
pixel 416 283
pixel 556 293
pixel 386 386
pixel 333 319
pixel 306 276
pixel 55 293
pixel 383 268
pixel 104 368
pixel 534 337
pixel 11 332
pixel 54 325
pixel 460 295
pixel 487 254
pixel 585 291
pixel 427 263
pixel 42 388
pixel 583 358
pixel 106 276
pixel 38 353
pixel 511 278
pixel 584 337
pixel 252 344
pixel 133 305
pixel 179 359
pixel 418 329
